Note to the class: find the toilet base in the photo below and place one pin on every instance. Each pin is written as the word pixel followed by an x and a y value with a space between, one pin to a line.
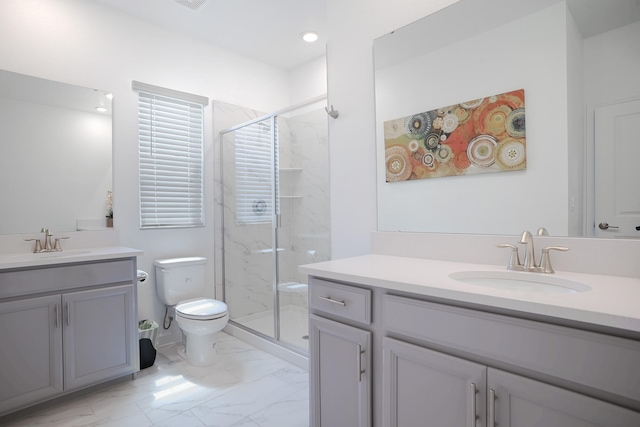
pixel 200 350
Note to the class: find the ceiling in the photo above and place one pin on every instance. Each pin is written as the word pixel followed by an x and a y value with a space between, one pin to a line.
pixel 597 16
pixel 268 31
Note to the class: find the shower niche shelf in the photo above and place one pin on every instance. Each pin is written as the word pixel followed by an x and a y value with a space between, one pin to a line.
pixel 287 183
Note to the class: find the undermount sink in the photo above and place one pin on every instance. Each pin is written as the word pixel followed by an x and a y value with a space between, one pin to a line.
pixel 43 255
pixel 520 281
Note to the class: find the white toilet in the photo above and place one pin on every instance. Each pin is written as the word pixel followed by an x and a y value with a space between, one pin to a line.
pixel 180 282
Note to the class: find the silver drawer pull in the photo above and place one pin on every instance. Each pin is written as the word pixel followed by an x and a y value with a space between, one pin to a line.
pixel 335 301
pixel 360 370
pixel 57 315
pixel 491 422
pixel 474 415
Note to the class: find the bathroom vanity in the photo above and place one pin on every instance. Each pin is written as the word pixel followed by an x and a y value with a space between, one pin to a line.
pixel 68 322
pixel 396 341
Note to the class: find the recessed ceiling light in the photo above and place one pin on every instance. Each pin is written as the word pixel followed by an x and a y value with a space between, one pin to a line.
pixel 101 109
pixel 309 36
pixel 109 96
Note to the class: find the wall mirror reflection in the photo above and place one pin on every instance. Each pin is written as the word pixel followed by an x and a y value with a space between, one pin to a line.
pixel 578 63
pixel 55 155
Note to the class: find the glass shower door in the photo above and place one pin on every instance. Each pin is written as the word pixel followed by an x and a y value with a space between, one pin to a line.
pixel 250 213
pixel 303 227
pixel 275 198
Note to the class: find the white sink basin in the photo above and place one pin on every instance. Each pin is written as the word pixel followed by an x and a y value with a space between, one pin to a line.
pixel 43 255
pixel 520 281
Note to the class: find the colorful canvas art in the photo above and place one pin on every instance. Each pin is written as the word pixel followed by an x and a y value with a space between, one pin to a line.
pixel 479 136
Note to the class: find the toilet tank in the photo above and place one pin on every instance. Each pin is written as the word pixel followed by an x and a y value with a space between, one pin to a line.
pixel 179 279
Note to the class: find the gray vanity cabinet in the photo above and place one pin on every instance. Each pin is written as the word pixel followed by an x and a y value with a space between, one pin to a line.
pixel 515 401
pixel 340 355
pixel 420 384
pixel 30 351
pixel 440 364
pixel 97 336
pixel 341 378
pixel 64 328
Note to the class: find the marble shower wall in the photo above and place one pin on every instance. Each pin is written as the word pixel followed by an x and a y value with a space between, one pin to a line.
pixel 304 163
pixel 304 206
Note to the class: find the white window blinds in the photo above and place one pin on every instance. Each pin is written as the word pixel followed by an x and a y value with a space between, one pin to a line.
pixel 257 177
pixel 170 146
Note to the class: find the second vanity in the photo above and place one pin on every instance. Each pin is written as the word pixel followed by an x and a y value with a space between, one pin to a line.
pixel 68 322
pixel 399 341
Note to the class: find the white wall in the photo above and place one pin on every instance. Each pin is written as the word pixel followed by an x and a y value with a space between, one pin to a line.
pixel 308 81
pixel 87 44
pixel 353 25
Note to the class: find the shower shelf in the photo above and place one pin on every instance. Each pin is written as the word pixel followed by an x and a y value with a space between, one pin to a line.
pixel 290 169
pixel 291 197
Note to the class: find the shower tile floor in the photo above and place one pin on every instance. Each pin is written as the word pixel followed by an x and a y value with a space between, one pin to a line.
pixel 294 324
pixel 246 387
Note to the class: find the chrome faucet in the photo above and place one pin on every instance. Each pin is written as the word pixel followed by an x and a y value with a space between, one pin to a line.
pixel 47 239
pixel 543 231
pixel 46 245
pixel 529 263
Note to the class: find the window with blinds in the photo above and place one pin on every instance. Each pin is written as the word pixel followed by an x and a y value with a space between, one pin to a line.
pixel 256 160
pixel 171 156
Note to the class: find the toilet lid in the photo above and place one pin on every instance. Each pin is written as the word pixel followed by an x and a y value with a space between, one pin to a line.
pixel 202 309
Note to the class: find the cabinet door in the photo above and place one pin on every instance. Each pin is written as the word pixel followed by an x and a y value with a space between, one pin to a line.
pixel 522 402
pixel 30 351
pixel 99 335
pixel 422 387
pixel 340 374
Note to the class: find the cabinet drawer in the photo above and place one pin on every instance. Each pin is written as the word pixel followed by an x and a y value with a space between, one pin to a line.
pixel 348 302
pixel 597 361
pixel 29 281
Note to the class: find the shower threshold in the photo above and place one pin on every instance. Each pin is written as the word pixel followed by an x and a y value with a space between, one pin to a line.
pixel 293 325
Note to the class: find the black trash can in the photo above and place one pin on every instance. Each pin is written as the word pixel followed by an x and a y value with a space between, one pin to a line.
pixel 148 337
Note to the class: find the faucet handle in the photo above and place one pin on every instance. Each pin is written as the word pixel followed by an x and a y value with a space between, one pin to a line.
pixel 56 246
pixel 545 261
pixel 514 260
pixel 38 247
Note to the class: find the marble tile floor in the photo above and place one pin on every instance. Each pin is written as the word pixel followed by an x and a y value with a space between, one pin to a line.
pixel 246 387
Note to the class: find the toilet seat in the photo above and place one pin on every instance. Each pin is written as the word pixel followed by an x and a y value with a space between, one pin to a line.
pixel 201 309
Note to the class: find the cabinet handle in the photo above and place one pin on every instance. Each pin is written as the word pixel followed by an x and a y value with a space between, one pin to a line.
pixel 474 415
pixel 67 308
pixel 57 315
pixel 342 303
pixel 492 409
pixel 360 370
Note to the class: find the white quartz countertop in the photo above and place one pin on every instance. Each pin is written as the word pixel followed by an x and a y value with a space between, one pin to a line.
pixel 26 260
pixel 612 301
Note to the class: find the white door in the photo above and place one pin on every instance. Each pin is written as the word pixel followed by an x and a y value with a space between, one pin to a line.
pixel 617 170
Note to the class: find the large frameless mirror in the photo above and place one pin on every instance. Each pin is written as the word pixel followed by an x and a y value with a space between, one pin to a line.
pixel 55 155
pixel 578 63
